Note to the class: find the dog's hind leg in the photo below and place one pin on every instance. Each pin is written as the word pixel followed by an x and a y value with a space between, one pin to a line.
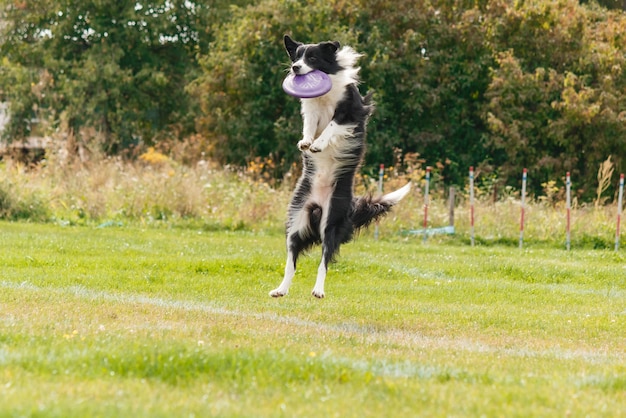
pixel 290 271
pixel 318 289
pixel 294 248
pixel 330 246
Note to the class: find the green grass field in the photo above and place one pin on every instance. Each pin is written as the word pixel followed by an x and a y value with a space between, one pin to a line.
pixel 125 321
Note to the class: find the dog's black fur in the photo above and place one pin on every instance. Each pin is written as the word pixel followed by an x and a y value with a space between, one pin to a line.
pixel 323 209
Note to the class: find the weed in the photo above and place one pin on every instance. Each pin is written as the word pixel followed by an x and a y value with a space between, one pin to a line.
pixel 23 205
pixel 605 172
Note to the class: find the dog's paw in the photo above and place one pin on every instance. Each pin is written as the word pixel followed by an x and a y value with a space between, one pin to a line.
pixel 319 145
pixel 318 293
pixel 304 144
pixel 278 293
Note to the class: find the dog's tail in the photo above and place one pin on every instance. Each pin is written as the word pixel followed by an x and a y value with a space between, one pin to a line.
pixel 367 209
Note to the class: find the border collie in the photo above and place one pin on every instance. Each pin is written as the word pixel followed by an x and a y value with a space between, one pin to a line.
pixel 323 209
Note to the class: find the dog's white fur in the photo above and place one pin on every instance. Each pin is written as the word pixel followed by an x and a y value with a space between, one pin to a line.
pixel 317 113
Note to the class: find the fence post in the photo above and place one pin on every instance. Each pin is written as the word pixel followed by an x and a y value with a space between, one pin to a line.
pixel 471 191
pixel 521 226
pixel 619 210
pixel 381 174
pixel 451 199
pixel 568 205
pixel 426 191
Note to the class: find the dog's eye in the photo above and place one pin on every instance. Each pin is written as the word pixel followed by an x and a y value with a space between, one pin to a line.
pixel 312 59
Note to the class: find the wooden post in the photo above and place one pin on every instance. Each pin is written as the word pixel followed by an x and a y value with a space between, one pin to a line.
pixel 451 199
pixel 471 187
pixel 568 208
pixel 523 207
pixel 381 175
pixel 619 210
pixel 426 191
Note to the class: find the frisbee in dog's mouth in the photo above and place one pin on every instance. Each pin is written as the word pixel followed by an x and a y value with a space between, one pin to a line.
pixel 307 86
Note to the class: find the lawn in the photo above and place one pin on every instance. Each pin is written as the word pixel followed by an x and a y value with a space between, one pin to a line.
pixel 131 321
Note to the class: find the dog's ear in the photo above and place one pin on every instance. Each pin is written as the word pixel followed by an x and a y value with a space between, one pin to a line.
pixel 291 46
pixel 331 47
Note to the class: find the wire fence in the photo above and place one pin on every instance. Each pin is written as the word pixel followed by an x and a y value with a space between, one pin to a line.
pixel 428 229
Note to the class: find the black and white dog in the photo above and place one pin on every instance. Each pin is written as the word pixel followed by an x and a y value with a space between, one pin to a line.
pixel 323 209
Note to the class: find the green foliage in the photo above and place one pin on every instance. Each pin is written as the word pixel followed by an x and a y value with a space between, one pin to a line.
pixel 519 112
pixel 496 84
pixel 245 111
pixel 428 65
pixel 21 206
pixel 556 98
pixel 117 67
pixel 244 106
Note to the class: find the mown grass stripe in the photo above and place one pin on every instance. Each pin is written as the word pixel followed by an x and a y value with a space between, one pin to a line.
pixel 392 336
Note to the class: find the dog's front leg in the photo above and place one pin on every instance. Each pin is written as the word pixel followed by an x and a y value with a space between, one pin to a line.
pixel 330 134
pixel 309 129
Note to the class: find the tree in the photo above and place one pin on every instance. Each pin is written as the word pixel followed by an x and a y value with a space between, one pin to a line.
pixel 245 113
pixel 557 95
pixel 429 65
pixel 519 114
pixel 609 4
pixel 538 84
pixel 427 73
pixel 118 67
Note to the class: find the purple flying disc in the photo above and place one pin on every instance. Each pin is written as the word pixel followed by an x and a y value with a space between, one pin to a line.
pixel 307 86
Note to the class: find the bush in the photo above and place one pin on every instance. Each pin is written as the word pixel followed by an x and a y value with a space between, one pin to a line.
pixel 496 84
pixel 14 206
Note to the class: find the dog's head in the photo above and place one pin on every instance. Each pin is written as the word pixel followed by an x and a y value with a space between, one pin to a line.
pixel 309 57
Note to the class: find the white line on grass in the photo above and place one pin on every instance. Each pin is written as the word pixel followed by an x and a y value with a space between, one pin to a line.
pixel 610 292
pixel 393 336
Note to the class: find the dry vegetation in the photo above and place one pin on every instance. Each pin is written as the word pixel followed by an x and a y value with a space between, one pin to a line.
pixel 174 189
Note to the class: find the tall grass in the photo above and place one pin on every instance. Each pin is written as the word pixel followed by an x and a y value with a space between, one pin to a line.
pixel 147 191
pixel 155 189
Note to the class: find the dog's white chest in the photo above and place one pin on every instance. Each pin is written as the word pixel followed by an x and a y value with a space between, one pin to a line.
pixel 321 110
